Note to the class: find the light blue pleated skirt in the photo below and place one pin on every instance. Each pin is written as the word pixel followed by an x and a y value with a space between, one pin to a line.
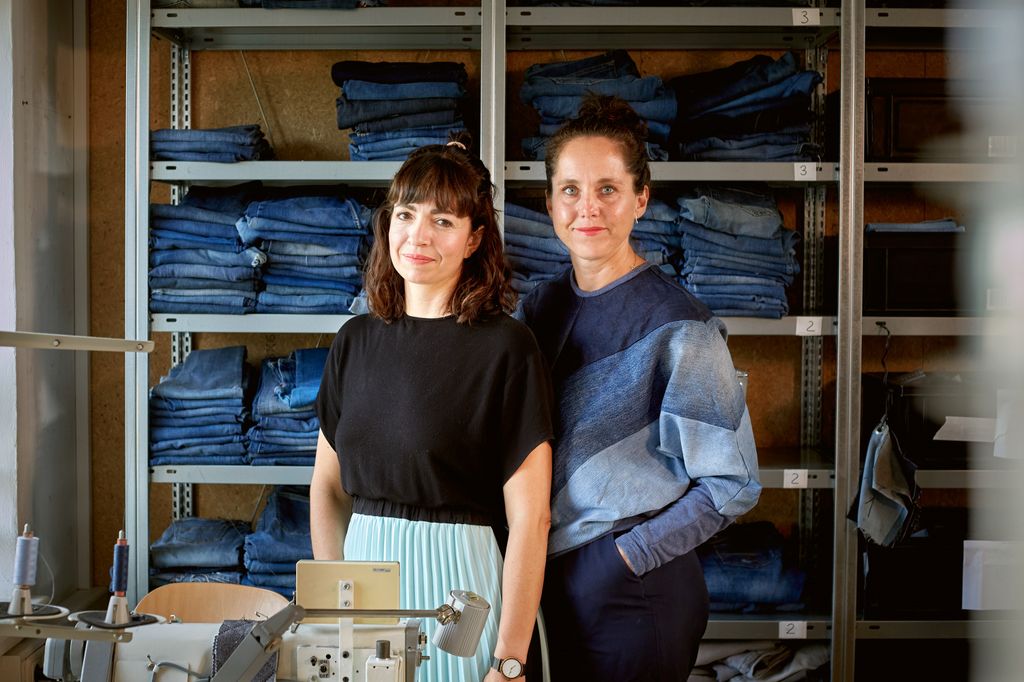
pixel 434 559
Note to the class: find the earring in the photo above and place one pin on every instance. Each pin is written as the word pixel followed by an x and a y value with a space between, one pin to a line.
pixel 636 220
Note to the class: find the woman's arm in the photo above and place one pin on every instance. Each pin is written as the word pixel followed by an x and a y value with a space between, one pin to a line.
pixel 528 508
pixel 330 507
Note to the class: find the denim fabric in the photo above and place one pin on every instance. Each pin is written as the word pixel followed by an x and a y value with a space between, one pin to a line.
pixel 724 279
pixel 780 113
pixel 242 151
pixel 260 225
pixel 800 151
pixel 261 434
pixel 536 148
pixel 250 257
pixel 160 402
pixel 660 211
pixel 702 238
pixel 242 135
pixel 202 283
pixel 168 577
pixel 392 155
pixel 790 134
pixel 441 130
pixel 332 260
pixel 398 144
pixel 661 228
pixel 299 422
pixel 549 245
pixel 269 303
pixel 629 87
pixel 286 247
pixel 213 307
pixel 297 293
pixel 802 83
pixel 662 107
pixel 346 273
pixel 239 459
pixel 526 265
pixel 267 402
pixel 255 231
pixel 359 90
pixel 278 580
pixel 231 199
pixel 212 157
pixel 226 413
pixel 243 273
pixel 886 496
pixel 299 377
pixel 311 211
pixel 527 226
pixel 168 433
pixel 159 447
pixel 761 289
pixel 286 592
pixel 657 131
pixel 211 543
pixel 164 420
pixel 350 287
pixel 613 64
pixel 397 72
pixel 408 121
pixel 191 213
pixel 743 564
pixel 701 92
pixel 785 265
pixel 205 374
pixel 221 296
pixel 352 113
pixel 940 225
pixel 254 566
pixel 282 530
pixel 166 240
pixel 283 461
pixel 734 211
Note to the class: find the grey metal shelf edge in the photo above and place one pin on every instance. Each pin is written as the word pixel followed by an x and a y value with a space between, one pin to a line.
pixel 803 172
pixel 539 28
pixel 931 629
pixel 913 18
pixel 277 172
pixel 790 626
pixel 413 28
pixel 938 172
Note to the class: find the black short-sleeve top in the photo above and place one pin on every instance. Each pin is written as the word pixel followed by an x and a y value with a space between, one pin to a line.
pixel 430 417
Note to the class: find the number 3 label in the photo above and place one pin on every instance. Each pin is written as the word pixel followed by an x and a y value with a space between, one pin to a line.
pixel 806 17
pixel 805 172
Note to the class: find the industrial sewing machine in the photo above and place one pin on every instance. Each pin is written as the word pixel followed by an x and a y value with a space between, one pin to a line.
pixel 386 645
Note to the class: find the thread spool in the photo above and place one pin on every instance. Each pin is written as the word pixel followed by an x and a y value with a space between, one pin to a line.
pixel 119 582
pixel 26 559
pixel 462 637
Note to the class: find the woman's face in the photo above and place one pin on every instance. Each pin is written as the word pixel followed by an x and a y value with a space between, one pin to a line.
pixel 428 246
pixel 593 204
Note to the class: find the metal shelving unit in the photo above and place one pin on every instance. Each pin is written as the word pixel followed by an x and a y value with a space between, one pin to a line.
pixel 494 30
pixel 931 629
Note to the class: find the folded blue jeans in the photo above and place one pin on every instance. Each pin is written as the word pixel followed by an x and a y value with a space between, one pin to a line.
pixel 353 112
pixel 199 459
pixel 250 257
pixel 286 247
pixel 780 247
pixel 204 375
pixel 404 121
pixel 359 90
pixel 397 72
pixel 662 107
pixel 198 542
pixel 166 239
pixel 244 134
pixel 611 64
pixel 628 87
pixel 170 433
pixel 292 422
pixel 300 378
pixel 189 212
pixel 797 151
pixel 282 530
pixel 441 130
pixel 701 92
pixel 550 245
pixel 283 461
pixel 312 211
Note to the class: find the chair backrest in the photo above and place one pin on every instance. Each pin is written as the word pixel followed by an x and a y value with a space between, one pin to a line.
pixel 211 602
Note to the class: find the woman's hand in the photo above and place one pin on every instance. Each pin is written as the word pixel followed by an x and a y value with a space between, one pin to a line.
pixel 625 559
pixel 494 676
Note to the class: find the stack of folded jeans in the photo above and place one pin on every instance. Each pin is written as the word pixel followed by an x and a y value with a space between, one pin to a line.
pixel 198 412
pixel 219 145
pixel 314 245
pixel 194 550
pixel 531 247
pixel 197 262
pixel 556 90
pixel 287 427
pixel 281 539
pixel 744 569
pixel 738 259
pixel 657 238
pixel 754 110
pixel 396 107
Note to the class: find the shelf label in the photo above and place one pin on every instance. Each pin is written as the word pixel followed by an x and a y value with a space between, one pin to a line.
pixel 805 172
pixel 808 326
pixel 794 478
pixel 806 17
pixel 793 629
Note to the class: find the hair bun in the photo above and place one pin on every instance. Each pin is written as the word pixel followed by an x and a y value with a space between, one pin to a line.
pixel 612 111
pixel 462 139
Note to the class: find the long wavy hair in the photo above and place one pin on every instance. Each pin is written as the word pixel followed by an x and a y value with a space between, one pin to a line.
pixel 455 181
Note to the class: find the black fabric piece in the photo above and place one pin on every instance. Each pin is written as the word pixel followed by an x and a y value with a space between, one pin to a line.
pixel 434 414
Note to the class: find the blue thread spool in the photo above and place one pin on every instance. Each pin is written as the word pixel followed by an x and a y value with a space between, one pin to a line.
pixel 119 584
pixel 26 558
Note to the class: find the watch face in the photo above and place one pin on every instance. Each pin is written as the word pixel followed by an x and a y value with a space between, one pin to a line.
pixel 510 667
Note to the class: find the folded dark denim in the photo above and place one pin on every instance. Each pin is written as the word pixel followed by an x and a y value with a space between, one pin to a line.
pixel 164 433
pixel 790 135
pixel 441 130
pixel 286 592
pixel 194 576
pixel 305 368
pixel 613 64
pixel 397 72
pixel 218 273
pixel 777 114
pixel 202 283
pixel 746 566
pixel 355 89
pixel 780 247
pixel 352 113
pixel 241 307
pixel 283 461
pixel 265 306
pixel 700 92
pixel 333 260
pixel 167 239
pixel 254 566
pixel 800 151
pixel 420 120
pixel 187 455
pixel 257 231
pixel 346 273
pixel 212 374
pixel 198 542
pixel 349 287
pixel 232 199
pixel 188 212
pixel 300 422
pixel 244 134
pixel 160 420
pixel 272 579
pixel 282 530
pixel 250 257
pixel 197 459
pixel 330 212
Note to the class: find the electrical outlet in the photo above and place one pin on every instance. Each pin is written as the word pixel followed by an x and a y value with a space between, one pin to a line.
pixel 314 663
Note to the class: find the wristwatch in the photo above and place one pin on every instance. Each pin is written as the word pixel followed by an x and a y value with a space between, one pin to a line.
pixel 510 668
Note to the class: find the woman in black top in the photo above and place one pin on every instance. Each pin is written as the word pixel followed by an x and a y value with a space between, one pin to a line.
pixel 435 415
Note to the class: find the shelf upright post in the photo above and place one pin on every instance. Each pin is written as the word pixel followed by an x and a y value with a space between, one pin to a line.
pixel 181 493
pixel 492 97
pixel 848 339
pixel 136 293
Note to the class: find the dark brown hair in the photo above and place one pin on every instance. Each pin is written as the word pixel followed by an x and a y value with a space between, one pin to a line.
pixel 451 178
pixel 605 116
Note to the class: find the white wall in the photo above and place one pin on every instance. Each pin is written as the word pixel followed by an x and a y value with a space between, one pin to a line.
pixel 38 221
